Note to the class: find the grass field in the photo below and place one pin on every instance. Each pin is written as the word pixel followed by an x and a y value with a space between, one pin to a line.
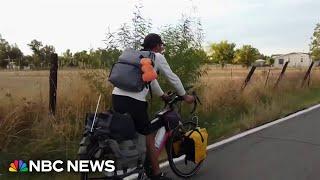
pixel 27 131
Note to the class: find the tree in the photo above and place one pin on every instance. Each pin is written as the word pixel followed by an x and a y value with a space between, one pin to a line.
pixel 246 55
pixel 4 48
pixel 46 52
pixel 109 56
pixel 124 36
pixel 315 44
pixel 130 35
pixel 222 52
pixel 35 46
pixel 141 27
pixel 183 50
pixel 269 60
pixel 41 54
pixel 66 59
pixel 82 58
pixel 9 53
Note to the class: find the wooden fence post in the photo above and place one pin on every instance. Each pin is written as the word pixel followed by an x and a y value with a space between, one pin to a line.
pixel 248 78
pixel 307 75
pixel 53 83
pixel 281 74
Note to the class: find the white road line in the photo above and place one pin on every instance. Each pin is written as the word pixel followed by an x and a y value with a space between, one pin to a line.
pixel 259 128
pixel 243 134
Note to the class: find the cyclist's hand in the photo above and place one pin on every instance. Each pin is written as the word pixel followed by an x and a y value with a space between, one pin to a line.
pixel 188 99
pixel 165 97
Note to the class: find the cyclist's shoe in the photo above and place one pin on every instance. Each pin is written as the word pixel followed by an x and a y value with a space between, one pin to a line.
pixel 161 176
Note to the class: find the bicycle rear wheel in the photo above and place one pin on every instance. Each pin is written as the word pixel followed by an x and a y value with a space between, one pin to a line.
pixel 178 163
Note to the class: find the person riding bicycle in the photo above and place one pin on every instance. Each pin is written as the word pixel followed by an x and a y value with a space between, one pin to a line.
pixel 136 105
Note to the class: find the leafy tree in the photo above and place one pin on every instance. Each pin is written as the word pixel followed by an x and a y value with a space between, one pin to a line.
pixel 222 52
pixel 108 56
pixel 35 46
pixel 124 36
pixel 4 48
pixel 66 59
pixel 41 54
pixel 141 27
pixel 269 60
pixel 9 53
pixel 14 52
pixel 27 60
pixel 246 55
pixel 183 49
pixel 95 59
pixel 46 52
pixel 315 44
pixel 82 58
pixel 130 35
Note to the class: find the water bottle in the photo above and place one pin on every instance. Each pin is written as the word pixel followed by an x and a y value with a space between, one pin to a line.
pixel 160 137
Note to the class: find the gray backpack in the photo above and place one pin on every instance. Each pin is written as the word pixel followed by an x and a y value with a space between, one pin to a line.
pixel 126 74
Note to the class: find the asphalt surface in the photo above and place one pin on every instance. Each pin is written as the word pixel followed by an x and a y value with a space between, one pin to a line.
pixel 289 150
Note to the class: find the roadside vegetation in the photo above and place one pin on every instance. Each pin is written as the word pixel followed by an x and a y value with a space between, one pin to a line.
pixel 28 131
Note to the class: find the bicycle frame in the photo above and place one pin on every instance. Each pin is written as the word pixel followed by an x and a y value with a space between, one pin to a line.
pixel 168 107
pixel 167 133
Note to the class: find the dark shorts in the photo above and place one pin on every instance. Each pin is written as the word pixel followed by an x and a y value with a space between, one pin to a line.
pixel 137 109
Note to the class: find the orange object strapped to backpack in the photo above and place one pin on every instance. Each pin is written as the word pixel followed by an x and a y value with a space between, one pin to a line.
pixel 149 74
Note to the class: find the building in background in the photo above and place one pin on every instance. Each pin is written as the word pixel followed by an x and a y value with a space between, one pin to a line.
pixel 260 63
pixel 296 59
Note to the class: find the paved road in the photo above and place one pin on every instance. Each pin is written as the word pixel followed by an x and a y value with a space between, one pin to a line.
pixel 286 151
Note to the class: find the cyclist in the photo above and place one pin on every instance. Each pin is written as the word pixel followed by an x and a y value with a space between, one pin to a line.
pixel 136 105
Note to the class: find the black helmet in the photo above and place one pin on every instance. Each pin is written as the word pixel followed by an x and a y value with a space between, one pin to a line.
pixel 151 40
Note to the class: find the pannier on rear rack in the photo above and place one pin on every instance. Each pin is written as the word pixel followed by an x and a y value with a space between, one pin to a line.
pixel 112 136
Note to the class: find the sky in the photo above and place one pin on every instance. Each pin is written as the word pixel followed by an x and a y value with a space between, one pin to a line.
pixel 272 26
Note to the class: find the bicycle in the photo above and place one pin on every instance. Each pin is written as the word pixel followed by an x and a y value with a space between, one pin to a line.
pixel 172 136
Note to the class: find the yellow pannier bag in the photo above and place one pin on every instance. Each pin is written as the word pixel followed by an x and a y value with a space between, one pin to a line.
pixel 177 151
pixel 195 144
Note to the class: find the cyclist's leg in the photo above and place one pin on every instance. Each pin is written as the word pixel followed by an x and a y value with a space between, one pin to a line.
pixel 152 153
pixel 139 113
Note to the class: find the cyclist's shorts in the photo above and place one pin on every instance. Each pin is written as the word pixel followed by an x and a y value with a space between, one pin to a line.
pixel 137 109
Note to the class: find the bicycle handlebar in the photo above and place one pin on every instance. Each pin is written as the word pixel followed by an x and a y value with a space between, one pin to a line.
pixel 174 98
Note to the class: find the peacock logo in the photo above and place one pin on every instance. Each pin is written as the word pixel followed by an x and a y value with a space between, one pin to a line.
pixel 18 166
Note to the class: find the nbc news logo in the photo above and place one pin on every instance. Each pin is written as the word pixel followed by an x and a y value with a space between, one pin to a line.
pixel 57 166
pixel 18 166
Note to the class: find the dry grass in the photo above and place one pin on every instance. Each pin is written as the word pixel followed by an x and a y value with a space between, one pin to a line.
pixel 227 110
pixel 27 130
pixel 25 119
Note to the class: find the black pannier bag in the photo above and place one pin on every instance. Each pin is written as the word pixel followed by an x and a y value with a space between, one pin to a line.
pixel 171 119
pixel 113 137
pixel 112 125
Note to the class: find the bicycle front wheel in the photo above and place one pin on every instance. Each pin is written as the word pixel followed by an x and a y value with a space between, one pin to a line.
pixel 178 162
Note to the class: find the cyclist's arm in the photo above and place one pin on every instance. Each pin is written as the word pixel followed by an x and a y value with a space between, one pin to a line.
pixel 155 88
pixel 173 79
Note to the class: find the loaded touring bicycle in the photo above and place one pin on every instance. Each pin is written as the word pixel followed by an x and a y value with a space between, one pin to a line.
pixel 104 139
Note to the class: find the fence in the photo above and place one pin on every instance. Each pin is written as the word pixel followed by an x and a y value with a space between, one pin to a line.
pixel 306 78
